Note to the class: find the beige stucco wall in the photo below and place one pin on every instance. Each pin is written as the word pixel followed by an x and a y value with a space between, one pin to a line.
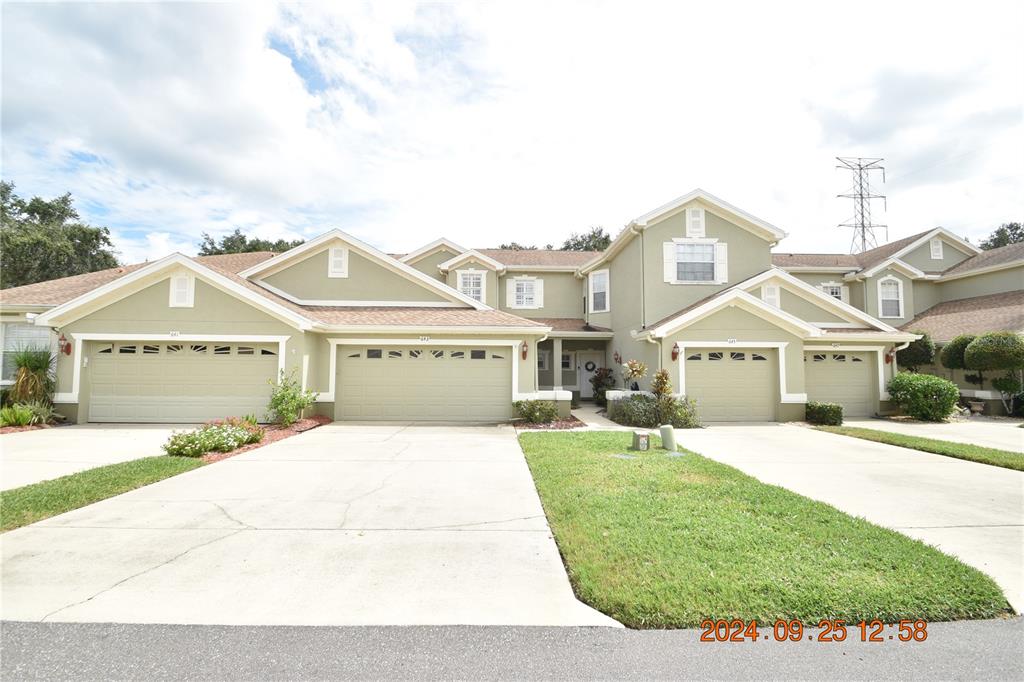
pixel 926 294
pixel 427 263
pixel 563 295
pixel 921 257
pixel 1011 279
pixel 366 281
pixel 491 295
pixel 816 279
pixel 794 304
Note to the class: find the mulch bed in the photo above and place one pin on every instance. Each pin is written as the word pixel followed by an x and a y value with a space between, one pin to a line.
pixel 19 429
pixel 557 425
pixel 272 434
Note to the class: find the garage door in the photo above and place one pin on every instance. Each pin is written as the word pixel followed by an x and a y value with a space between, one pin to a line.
pixel 424 383
pixel 733 384
pixel 843 378
pixel 179 382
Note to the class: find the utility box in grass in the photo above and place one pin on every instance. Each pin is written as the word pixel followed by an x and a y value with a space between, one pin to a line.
pixel 641 440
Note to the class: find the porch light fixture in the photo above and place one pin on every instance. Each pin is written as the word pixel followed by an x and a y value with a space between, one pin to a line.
pixel 617 357
pixel 675 352
pixel 525 349
pixel 64 345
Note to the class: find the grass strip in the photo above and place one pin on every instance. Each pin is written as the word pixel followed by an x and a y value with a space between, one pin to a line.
pixel 38 501
pixel 665 542
pixel 972 453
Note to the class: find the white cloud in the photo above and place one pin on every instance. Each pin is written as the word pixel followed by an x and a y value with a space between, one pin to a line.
pixel 487 122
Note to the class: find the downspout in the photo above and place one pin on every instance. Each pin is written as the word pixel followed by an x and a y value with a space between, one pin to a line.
pixel 643 281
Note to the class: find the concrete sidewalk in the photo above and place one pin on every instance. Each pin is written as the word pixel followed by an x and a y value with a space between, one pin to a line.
pixel 970 510
pixel 1002 434
pixel 33 456
pixel 344 525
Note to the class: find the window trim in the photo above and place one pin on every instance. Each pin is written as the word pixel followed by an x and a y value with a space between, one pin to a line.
pixel 460 274
pixel 932 243
pixel 190 290
pixel 607 291
pixel 334 254
pixel 899 299
pixel 543 360
pixel 533 295
pixel 51 341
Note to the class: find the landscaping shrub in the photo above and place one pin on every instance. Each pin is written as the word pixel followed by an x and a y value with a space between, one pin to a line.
pixel 536 411
pixel 829 414
pixel 602 381
pixel 288 399
pixel 923 396
pixel 33 378
pixel 920 352
pixel 999 351
pixel 661 384
pixel 42 411
pixel 632 372
pixel 649 412
pixel 952 355
pixel 16 415
pixel 225 436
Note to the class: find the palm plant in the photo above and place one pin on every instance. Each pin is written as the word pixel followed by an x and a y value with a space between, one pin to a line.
pixel 34 374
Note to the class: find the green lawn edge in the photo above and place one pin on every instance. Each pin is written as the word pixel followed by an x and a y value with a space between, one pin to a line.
pixel 666 542
pixel 967 451
pixel 37 501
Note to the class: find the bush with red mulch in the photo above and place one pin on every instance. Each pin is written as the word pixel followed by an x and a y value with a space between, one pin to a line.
pixel 272 434
pixel 569 422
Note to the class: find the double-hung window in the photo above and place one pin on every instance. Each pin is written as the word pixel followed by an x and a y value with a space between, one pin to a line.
pixel 599 291
pixel 524 293
pixel 890 297
pixel 833 290
pixel 695 262
pixel 472 284
pixel 17 336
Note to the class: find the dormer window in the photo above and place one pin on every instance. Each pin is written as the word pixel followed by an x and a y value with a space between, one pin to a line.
pixel 183 291
pixel 890 297
pixel 936 248
pixel 337 262
pixel 471 283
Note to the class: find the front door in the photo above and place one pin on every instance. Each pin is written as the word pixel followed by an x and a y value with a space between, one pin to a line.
pixel 588 363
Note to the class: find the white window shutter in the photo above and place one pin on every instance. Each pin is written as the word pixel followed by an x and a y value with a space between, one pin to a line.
pixel 721 263
pixel 538 293
pixel 936 248
pixel 695 223
pixel 669 254
pixel 770 294
pixel 337 263
pixel 845 292
pixel 510 292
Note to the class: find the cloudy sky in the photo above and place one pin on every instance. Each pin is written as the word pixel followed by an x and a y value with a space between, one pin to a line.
pixel 509 120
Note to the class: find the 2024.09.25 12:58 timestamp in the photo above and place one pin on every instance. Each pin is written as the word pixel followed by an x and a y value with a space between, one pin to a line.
pixel 830 631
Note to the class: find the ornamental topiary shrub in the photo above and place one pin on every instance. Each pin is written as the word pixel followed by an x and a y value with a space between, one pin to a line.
pixel 536 411
pixel 829 414
pixel 999 351
pixel 952 355
pixel 650 412
pixel 923 396
pixel 918 353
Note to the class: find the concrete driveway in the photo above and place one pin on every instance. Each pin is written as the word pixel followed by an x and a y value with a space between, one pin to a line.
pixel 1002 434
pixel 973 511
pixel 344 525
pixel 33 456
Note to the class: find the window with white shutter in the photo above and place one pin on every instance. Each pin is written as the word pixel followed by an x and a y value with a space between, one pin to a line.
pixel 770 294
pixel 337 262
pixel 521 293
pixel 936 248
pixel 183 291
pixel 695 223
pixel 695 262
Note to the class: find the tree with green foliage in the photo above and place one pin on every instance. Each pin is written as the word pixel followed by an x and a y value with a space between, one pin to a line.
pixel 999 352
pixel 952 354
pixel 44 239
pixel 595 240
pixel 236 242
pixel 516 246
pixel 919 352
pixel 1004 235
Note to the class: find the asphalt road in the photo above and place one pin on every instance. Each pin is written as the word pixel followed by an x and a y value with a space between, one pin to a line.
pixel 69 651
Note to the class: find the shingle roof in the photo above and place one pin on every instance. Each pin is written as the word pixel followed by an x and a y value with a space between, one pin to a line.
pixel 541 257
pixel 827 260
pixel 987 259
pixel 877 255
pixel 57 291
pixel 569 324
pixel 419 317
pixel 976 315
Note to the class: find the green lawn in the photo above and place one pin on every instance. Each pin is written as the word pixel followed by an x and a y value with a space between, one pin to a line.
pixel 665 542
pixel 38 501
pixel 974 453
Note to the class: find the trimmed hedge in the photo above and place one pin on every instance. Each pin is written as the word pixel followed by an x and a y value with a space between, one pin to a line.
pixel 650 412
pixel 923 396
pixel 536 411
pixel 829 414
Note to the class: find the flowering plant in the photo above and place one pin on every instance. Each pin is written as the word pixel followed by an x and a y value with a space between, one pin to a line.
pixel 633 370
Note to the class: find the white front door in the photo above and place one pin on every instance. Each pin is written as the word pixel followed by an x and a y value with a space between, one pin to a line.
pixel 587 363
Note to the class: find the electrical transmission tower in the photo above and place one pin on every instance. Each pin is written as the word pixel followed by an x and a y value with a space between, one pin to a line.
pixel 863 228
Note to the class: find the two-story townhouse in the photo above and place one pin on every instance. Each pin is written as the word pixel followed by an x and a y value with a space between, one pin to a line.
pixel 451 333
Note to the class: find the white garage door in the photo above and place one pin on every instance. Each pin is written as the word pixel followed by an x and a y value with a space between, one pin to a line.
pixel 179 382
pixel 843 378
pixel 399 383
pixel 733 384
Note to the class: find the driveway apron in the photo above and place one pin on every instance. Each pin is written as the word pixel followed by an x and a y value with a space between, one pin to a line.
pixel 972 511
pixel 345 525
